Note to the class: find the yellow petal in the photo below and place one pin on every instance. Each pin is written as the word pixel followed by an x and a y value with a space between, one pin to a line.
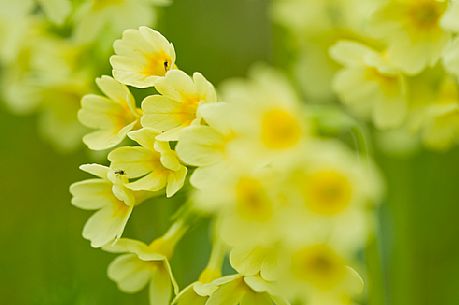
pixel 160 113
pixel 160 289
pixel 107 224
pixel 134 161
pixel 175 181
pixel 92 194
pixel 200 146
pixel 130 273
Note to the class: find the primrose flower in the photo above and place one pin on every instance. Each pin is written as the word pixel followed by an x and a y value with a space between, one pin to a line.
pixel 320 275
pixel 270 115
pixel 412 31
pixel 247 204
pixel 369 85
pixel 146 265
pixel 154 164
pixel 330 195
pixel 113 202
pixel 177 106
pixel 142 57
pixel 242 290
pixel 114 115
pixel 206 145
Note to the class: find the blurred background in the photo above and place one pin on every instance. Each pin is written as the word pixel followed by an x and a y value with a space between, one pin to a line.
pixel 44 259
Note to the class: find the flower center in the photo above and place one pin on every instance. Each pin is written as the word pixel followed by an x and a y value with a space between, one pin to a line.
pixel 328 192
pixel 425 14
pixel 252 201
pixel 318 265
pixel 157 64
pixel 280 129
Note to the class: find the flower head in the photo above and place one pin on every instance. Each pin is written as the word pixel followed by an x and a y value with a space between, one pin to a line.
pixel 177 106
pixel 113 202
pixel 142 57
pixel 114 115
pixel 153 165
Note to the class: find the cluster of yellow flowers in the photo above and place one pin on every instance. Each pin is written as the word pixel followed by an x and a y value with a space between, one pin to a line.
pixel 398 61
pixel 51 51
pixel 291 207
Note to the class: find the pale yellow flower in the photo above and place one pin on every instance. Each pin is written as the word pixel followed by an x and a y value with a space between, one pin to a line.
pixel 246 203
pixel 114 115
pixel 330 194
pixel 142 57
pixel 153 165
pixel 177 106
pixel 320 275
pixel 146 265
pixel 369 85
pixel 269 115
pixel 412 31
pixel 113 202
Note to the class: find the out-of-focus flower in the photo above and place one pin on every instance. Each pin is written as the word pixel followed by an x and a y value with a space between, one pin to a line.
pixel 320 275
pixel 177 106
pixel 370 85
pixel 142 57
pixel 153 165
pixel 114 115
pixel 331 193
pixel 113 202
pixel 412 31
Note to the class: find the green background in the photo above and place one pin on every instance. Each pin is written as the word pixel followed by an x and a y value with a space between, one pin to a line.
pixel 44 259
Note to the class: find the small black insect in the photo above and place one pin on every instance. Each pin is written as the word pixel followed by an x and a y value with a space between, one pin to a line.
pixel 120 172
pixel 166 65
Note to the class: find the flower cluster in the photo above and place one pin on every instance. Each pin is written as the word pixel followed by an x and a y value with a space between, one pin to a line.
pixel 398 61
pixel 291 207
pixel 51 51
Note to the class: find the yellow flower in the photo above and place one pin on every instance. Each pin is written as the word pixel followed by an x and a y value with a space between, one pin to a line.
pixel 413 33
pixel 177 106
pixel 142 57
pixel 146 264
pixel 153 165
pixel 244 290
pixel 369 85
pixel 269 113
pixel 114 115
pixel 330 192
pixel 320 275
pixel 113 202
pixel 245 202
